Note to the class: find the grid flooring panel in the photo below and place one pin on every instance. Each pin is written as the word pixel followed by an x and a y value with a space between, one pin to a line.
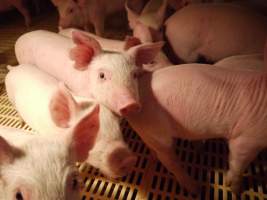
pixel 149 180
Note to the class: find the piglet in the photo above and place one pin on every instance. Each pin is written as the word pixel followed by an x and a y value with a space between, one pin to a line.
pixel 146 27
pixel 212 32
pixel 109 78
pixel 37 95
pixel 199 102
pixel 43 167
pixel 82 13
pixel 19 4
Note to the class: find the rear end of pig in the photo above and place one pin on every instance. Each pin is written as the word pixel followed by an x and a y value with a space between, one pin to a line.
pixel 37 167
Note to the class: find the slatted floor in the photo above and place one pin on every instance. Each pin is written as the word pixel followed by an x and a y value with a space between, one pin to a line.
pixel 149 180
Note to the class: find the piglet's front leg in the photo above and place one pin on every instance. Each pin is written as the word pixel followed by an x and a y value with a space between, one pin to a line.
pixel 171 161
pixel 241 154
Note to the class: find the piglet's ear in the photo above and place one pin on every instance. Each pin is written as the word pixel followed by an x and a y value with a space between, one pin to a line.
pixel 62 107
pixel 7 152
pixel 84 135
pixel 84 51
pixel 145 53
pixel 131 41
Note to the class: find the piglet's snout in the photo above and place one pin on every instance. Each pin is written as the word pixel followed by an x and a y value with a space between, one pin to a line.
pixel 121 161
pixel 128 104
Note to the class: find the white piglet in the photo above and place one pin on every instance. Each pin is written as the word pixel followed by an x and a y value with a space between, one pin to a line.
pixel 110 78
pixel 41 167
pixel 41 102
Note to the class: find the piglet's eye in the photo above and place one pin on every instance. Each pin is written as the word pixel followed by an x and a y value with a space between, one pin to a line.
pixel 19 196
pixel 102 76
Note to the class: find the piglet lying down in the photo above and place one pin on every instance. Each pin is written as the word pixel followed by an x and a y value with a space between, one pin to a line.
pixel 109 78
pixel 196 102
pixel 40 167
pixel 41 101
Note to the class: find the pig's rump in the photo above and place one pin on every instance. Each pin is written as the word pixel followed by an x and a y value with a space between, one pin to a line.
pixel 215 31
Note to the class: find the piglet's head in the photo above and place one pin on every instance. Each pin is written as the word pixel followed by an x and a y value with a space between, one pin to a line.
pixel 69 13
pixel 44 167
pixel 85 50
pixel 114 77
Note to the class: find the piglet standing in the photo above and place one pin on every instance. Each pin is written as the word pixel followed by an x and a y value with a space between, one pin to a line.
pixel 36 95
pixel 109 78
pixel 19 4
pixel 43 167
pixel 146 27
pixel 199 102
pixel 82 13
pixel 212 32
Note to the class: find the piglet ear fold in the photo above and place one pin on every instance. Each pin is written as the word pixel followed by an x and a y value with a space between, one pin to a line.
pixel 84 51
pixel 7 152
pixel 84 135
pixel 131 41
pixel 131 15
pixel 62 107
pixel 145 53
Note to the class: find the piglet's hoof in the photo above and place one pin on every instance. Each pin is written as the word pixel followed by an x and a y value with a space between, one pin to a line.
pixel 233 184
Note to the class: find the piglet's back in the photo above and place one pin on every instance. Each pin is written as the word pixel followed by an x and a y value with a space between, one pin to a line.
pixel 207 99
